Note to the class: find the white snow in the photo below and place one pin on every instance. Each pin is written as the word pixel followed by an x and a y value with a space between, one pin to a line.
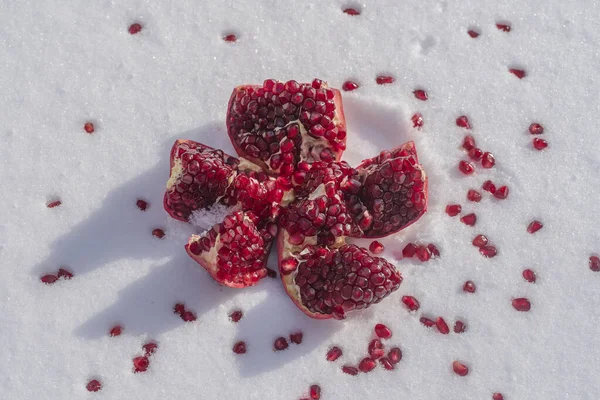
pixel 205 219
pixel 67 62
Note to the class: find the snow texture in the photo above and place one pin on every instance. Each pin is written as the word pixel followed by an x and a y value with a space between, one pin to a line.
pixel 68 62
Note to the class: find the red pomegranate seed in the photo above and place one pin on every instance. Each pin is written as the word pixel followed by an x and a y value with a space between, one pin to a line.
pixel 463 122
pixel 521 304
pixel 236 316
pixel 351 11
pixel 230 38
pixel 395 355
pixel 475 154
pixel 315 392
pixel 417 120
pixel 488 251
pixel 536 129
pixel 427 322
pixel 474 196
pixel 239 348
pixel 503 27
pixel 93 386
pixel 159 233
pixel 375 349
pixel 88 127
pixel 386 363
pixel 409 250
pixel 280 344
pixel 595 263
pixel 135 28
pixel 480 240
pixel 349 86
pixel 367 364
pixel 466 167
pixel 534 226
pixel 497 396
pixel 519 73
pixel 383 331
pixel 442 326
pixel 376 247
pixel 460 368
pixel 420 94
pixel 529 275
pixel 501 193
pixel 142 205
pixel 469 219
pixel 149 348
pixel 435 252
pixel 411 303
pixel 296 337
pixel 469 287
pixel 49 279
pixel 65 274
pixel 539 144
pixel 473 33
pixel 488 160
pixel 115 331
pixel 423 253
pixel 383 79
pixel 459 327
pixel 350 370
pixel 453 209
pixel 188 316
pixel 140 364
pixel 54 203
pixel 179 308
pixel 489 186
pixel 468 142
pixel 334 353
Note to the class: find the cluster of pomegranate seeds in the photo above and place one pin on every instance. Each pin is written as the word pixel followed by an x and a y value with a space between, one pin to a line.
pixel 334 353
pixel 140 364
pixel 469 219
pixel 534 226
pixel 423 252
pixel 384 79
pixel 460 369
pixel 94 385
pixel 411 303
pixel 376 247
pixel 521 304
pixel 473 195
pixel 351 11
pixel 349 86
pixel 280 344
pixel 472 33
pixel 61 274
pixel 54 203
pixel 503 27
pixel 417 120
pixel 469 287
pixel 420 94
pixel 88 127
pixel 158 233
pixel 186 315
pixel 142 204
pixel 236 316
pixel 595 263
pixel 539 144
pixel 376 351
pixel 230 38
pixel 115 331
pixel 239 348
pixel 134 28
pixel 453 209
pixel 296 337
pixel 519 73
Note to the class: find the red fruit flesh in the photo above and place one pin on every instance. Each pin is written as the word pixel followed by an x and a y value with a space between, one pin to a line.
pixel 239 348
pixel 384 79
pixel 280 344
pixel 529 275
pixel 149 348
pixel 488 160
pixel 501 193
pixel 469 219
pixel 423 253
pixel 435 252
pixel 539 144
pixel 277 124
pixel 409 250
pixel 115 331
pixel 88 127
pixel 349 86
pixel 64 274
pixel 411 303
pixel 367 364
pixel 134 28
pixel 489 186
pixel 350 370
pixel 142 205
pixel 54 203
pixel 420 94
pixel 334 353
pixel 503 27
pixel 442 326
pixel 519 73
pixel 459 327
pixel 480 240
pixel 351 11
pixel 395 355
pixel 236 316
pixel 49 279
pixel 296 337
pixel 230 38
pixel 453 209
pixel 188 316
pixel 417 120
pixel 474 196
pixel 466 167
pixel 468 141
pixel 383 331
pixel 475 154
pixel 315 392
pixel 536 129
pixel 463 122
pixel 595 263
pixel 469 287
pixel 386 363
pixel 497 396
pixel 158 233
pixel 534 226
pixel 427 322
pixel 460 369
pixel 473 33
pixel 93 386
pixel 376 349
pixel 521 304
pixel 488 251
pixel 140 364
pixel 376 247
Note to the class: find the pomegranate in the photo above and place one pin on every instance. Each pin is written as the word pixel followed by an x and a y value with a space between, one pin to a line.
pixel 334 353
pixel 94 385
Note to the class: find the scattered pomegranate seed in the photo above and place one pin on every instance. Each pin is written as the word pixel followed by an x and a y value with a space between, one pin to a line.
pixel 534 226
pixel 88 127
pixel 236 315
pixel 442 326
pixel 474 196
pixel 349 86
pixel 497 396
pixel 49 279
pixel 503 27
pixel 411 303
pixel 423 253
pixel 179 308
pixel 375 349
pixel 459 327
pixel 230 38
pixel 473 33
pixel 367 364
pixel 409 250
pixel 529 275
pixel 386 363
pixel 488 251
pixel 536 129
pixel 350 370
pixel 521 304
pixel 466 167
pixel 433 250
pixel 135 28
pixel 480 240
pixel 65 274
pixel 376 247
pixel 427 322
pixel 140 364
pixel 469 287
pixel 188 316
pixel 142 205
pixel 453 209
pixel 115 331
pixel 468 142
pixel 159 233
pixel 93 386
pixel 149 348
pixel 595 263
pixel 469 219
pixel 501 193
pixel 395 355
pixel 475 154
pixel 54 203
pixel 383 331
pixel 463 122
pixel 315 392
pixel 539 144
pixel 420 94
pixel 519 73
pixel 296 337
pixel 489 186
pixel 334 353
pixel 417 120
pixel 351 11
pixel 460 368
pixel 271 273
pixel 280 344
pixel 488 160
pixel 239 348
pixel 383 79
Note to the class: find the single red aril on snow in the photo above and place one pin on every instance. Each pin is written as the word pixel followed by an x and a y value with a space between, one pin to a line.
pixel 453 209
pixel 140 364
pixel 459 368
pixel 149 348
pixel 536 129
pixel 376 349
pixel 230 38
pixel 480 240
pixel 417 120
pixel 497 396
pixel 595 263
pixel 409 250
pixel 280 344
pixel 134 28
pixel 334 353
pixel 411 303
pixel 349 86
pixel 442 326
pixel 503 27
pixel 395 355
pixel 142 205
pixel 521 304
pixel 469 287
pixel 88 127
pixel 435 252
pixel 315 392
pixel 386 363
pixel 488 160
pixel 94 385
pixel 469 219
pixel 188 316
pixel 501 193
pixel 489 186
pixel 296 337
pixel 352 11
pixel 488 251
pixel 383 331
pixel 384 79
pixel 236 315
pixel 367 364
pixel 539 144
pixel 474 196
pixel 466 167
pixel 64 274
pixel 427 322
pixel 473 33
pixel 475 154
pixel 459 327
pixel 54 203
pixel 350 370
pixel 463 122
pixel 376 247
pixel 49 279
pixel 423 253
pixel 239 347
pixel 534 226
pixel 529 275
pixel 179 308
pixel 519 73
pixel 115 331
pixel 468 142
pixel 420 94
pixel 158 233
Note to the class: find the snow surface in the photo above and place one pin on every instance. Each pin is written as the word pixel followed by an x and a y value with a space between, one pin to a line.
pixel 67 62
